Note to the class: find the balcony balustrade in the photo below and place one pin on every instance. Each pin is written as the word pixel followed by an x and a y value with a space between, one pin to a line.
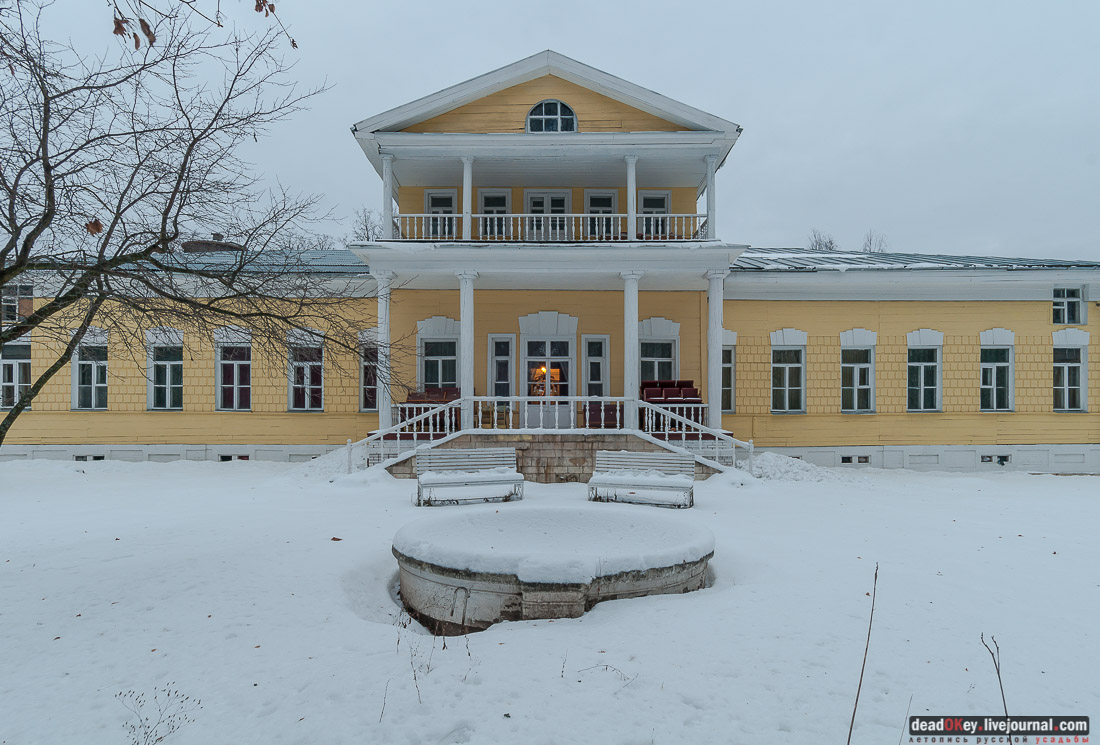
pixel 558 228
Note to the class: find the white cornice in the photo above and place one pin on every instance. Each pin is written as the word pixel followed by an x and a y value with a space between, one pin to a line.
pixel 537 65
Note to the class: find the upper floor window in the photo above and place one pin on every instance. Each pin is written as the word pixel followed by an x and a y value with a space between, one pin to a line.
pixel 15 373
pixel 551 116
pixel 167 382
pixel 15 303
pixel 307 378
pixel 996 379
pixel 91 377
pixel 1067 305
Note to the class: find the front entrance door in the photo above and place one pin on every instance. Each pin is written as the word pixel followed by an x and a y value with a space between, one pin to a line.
pixel 549 375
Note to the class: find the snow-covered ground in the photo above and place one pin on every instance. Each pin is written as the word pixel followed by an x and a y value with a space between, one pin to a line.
pixel 223 579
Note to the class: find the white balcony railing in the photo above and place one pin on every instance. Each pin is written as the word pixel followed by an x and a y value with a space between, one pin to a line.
pixel 566 228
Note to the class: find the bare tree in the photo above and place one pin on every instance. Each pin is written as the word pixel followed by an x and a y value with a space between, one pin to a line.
pixel 107 164
pixel 819 241
pixel 130 17
pixel 874 242
pixel 365 227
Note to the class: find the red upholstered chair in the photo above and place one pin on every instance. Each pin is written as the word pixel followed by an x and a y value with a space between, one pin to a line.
pixel 672 394
pixel 649 384
pixel 689 393
pixel 684 384
pixel 653 394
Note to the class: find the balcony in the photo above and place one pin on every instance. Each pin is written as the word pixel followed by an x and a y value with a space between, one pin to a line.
pixel 555 228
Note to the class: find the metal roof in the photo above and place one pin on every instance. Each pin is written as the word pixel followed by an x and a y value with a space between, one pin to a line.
pixel 806 260
pixel 315 261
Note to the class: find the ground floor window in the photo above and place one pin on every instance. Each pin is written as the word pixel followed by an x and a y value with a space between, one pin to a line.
pixel 596 382
pixel 167 383
pixel 549 364
pixel 658 360
pixel 500 365
pixel 307 378
pixel 15 373
pixel 788 381
pixel 728 398
pixel 856 380
pixel 1068 374
pixel 996 379
pixel 923 379
pixel 439 364
pixel 235 378
pixel 368 397
pixel 91 377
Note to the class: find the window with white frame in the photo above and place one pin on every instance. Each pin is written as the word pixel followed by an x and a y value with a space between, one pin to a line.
pixel 1067 305
pixel 551 116
pixel 658 360
pixel 91 377
pixel 650 204
pixel 501 365
pixel 15 373
pixel 995 388
pixel 16 303
pixel 495 202
pixel 601 203
pixel 235 377
pixel 924 379
pixel 441 206
pixel 368 378
pixel 596 382
pixel 857 393
pixel 1068 379
pixel 439 363
pixel 729 398
pixel 788 380
pixel 167 376
pixel 307 378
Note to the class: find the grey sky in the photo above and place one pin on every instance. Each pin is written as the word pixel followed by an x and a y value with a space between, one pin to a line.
pixel 951 127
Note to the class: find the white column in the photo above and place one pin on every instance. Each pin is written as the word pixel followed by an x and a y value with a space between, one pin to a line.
pixel 631 197
pixel 385 376
pixel 631 350
pixel 466 344
pixel 467 196
pixel 715 296
pixel 387 196
pixel 712 218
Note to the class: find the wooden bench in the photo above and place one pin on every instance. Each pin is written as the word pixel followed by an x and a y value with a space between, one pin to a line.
pixel 467 475
pixel 661 479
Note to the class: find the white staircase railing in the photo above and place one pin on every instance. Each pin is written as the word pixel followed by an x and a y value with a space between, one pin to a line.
pixel 691 434
pixel 434 423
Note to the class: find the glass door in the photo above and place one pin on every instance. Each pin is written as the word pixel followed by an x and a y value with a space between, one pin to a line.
pixel 548 369
pixel 547 228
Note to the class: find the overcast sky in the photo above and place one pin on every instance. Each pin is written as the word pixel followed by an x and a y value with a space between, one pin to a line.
pixel 950 127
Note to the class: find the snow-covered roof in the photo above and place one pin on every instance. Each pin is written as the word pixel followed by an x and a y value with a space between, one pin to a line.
pixel 806 260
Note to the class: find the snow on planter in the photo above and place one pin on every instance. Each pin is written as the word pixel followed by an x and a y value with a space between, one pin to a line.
pixel 464 571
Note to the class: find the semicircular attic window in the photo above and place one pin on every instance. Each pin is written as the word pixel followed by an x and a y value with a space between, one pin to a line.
pixel 551 116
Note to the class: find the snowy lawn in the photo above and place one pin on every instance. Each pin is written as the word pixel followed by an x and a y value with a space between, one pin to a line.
pixel 223 580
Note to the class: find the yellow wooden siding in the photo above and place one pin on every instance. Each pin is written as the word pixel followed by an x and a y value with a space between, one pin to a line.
pixel 410 199
pixel 506 111
pixel 961 420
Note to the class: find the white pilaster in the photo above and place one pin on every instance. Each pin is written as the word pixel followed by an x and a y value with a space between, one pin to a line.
pixel 385 405
pixel 712 218
pixel 466 344
pixel 631 197
pixel 387 196
pixel 715 296
pixel 467 197
pixel 631 350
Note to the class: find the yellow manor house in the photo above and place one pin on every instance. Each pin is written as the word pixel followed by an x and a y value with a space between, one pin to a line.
pixel 550 275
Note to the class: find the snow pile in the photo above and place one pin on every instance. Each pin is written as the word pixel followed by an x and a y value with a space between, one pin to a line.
pixel 776 467
pixel 553 544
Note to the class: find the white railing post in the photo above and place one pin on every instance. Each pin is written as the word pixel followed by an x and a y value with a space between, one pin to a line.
pixel 387 196
pixel 715 300
pixel 382 297
pixel 631 197
pixel 467 196
pixel 466 345
pixel 631 350
pixel 712 166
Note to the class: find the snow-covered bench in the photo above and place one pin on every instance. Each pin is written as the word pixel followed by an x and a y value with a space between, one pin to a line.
pixel 474 475
pixel 661 479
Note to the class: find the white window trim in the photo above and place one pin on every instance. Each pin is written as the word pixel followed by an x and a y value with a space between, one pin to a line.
pixel 452 193
pixel 939 375
pixel 605 360
pixel 151 343
pixel 1082 305
pixel 16 363
pixel 549 338
pixel 368 338
pixel 567 193
pixel 733 372
pixel 218 373
pixel 576 119
pixel 1084 364
pixel 436 328
pixel 658 330
pixel 790 338
pixel 494 192
pixel 870 379
pixel 654 193
pixel 291 365
pixel 74 363
pixel 491 358
pixel 1011 377
pixel 771 367
pixel 613 193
